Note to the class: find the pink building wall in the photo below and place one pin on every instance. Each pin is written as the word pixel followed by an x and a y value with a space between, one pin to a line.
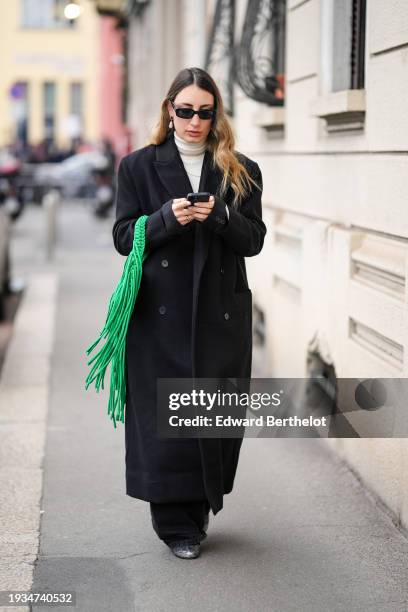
pixel 111 85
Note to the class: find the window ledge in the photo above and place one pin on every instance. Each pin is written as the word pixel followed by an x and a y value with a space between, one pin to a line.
pixel 342 110
pixel 270 118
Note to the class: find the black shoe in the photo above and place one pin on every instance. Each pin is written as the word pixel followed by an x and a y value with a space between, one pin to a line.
pixel 185 550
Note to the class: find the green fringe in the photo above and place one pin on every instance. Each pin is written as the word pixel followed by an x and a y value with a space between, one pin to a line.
pixel 121 305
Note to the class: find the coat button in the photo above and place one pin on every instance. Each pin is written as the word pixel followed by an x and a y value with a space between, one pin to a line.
pixel 162 309
pixel 226 316
pixel 164 263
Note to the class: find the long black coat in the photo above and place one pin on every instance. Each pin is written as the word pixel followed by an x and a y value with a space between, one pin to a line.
pixel 218 313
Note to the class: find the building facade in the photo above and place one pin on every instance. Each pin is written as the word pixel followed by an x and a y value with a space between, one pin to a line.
pixel 335 174
pixel 318 94
pixel 112 91
pixel 49 78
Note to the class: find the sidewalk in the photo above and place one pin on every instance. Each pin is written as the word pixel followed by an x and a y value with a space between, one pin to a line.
pixel 298 532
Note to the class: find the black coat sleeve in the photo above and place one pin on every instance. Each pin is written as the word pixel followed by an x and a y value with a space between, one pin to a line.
pixel 161 225
pixel 244 231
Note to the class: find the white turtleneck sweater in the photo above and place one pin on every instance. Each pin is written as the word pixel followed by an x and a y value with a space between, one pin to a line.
pixel 192 155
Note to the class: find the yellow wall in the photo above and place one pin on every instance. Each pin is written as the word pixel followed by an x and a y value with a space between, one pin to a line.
pixel 59 55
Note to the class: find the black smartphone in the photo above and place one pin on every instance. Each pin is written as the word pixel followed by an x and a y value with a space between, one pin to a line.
pixel 199 196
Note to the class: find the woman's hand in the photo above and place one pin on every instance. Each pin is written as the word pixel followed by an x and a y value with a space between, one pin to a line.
pixel 182 210
pixel 201 210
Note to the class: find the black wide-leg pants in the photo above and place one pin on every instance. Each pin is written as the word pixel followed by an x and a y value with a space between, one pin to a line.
pixel 180 521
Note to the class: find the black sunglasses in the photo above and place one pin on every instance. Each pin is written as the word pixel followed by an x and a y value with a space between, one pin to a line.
pixel 188 113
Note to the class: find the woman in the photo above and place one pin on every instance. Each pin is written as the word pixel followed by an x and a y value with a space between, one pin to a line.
pixel 193 315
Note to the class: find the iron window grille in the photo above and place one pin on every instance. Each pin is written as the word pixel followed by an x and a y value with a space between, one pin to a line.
pixel 219 60
pixel 260 55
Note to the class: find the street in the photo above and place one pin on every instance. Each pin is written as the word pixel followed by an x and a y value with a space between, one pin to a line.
pixel 298 532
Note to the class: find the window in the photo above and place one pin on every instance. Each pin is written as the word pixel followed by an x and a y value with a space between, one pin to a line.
pixel 260 58
pixel 358 44
pixel 76 110
pixel 44 14
pixel 257 63
pixel 343 44
pixel 19 109
pixel 49 111
pixel 76 98
pixel 219 56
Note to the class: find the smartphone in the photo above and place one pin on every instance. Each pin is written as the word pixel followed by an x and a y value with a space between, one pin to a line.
pixel 200 196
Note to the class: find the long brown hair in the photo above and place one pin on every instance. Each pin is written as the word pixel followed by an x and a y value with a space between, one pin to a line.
pixel 220 140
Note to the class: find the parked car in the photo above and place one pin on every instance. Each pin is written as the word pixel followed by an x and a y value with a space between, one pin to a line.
pixel 72 177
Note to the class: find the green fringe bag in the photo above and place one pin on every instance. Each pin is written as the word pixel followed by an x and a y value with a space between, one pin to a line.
pixel 121 305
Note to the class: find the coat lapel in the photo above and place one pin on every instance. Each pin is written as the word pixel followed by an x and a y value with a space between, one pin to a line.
pixel 170 169
pixel 173 176
pixel 209 181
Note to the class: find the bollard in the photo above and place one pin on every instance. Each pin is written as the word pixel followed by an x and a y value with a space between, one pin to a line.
pixel 50 204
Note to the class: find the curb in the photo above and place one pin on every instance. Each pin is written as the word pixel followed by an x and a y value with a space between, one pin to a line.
pixel 24 391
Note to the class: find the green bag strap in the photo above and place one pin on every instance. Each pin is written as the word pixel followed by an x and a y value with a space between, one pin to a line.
pixel 121 305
